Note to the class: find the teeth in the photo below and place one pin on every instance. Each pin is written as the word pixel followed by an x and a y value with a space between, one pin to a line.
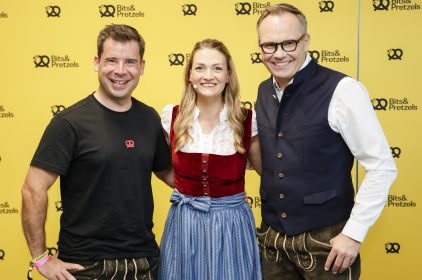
pixel 119 82
pixel 208 85
pixel 281 63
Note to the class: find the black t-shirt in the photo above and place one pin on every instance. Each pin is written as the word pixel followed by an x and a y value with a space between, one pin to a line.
pixel 105 159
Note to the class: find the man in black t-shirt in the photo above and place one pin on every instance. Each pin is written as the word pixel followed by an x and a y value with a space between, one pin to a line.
pixel 104 148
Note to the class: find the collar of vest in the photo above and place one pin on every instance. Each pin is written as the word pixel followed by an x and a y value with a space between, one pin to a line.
pixel 303 74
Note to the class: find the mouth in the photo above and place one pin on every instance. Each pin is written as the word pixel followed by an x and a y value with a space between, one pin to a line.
pixel 208 85
pixel 281 64
pixel 119 82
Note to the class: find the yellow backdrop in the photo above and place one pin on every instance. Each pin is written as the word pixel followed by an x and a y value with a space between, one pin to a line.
pixel 47 51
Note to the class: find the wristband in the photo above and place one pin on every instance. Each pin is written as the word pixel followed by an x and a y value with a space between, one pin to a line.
pixel 41 262
pixel 39 258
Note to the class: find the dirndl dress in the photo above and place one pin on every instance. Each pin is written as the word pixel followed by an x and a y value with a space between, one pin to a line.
pixel 210 230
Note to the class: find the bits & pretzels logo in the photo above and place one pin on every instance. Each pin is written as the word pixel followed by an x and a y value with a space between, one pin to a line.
pixel 3 15
pixel 393 104
pixel 395 5
pixel 6 209
pixel 54 61
pixel 189 9
pixel 52 251
pixel 41 61
pixel 2 254
pixel 328 56
pixel 395 54
pixel 178 59
pixel 53 11
pixel 55 109
pixel 254 202
pixel 130 144
pixel 379 104
pixel 380 5
pixel 395 152
pixel 119 11
pixel 326 6
pixel 107 10
pixel 315 55
pixel 392 248
pixel 4 113
pixel 256 57
pixel 250 8
pixel 58 205
pixel 248 105
pixel 400 201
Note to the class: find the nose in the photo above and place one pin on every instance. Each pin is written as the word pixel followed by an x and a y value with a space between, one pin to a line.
pixel 279 52
pixel 208 74
pixel 120 68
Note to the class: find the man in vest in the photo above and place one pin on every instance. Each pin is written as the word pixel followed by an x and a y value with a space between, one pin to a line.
pixel 312 123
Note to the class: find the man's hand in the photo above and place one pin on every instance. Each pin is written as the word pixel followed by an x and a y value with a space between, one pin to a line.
pixel 57 269
pixel 343 253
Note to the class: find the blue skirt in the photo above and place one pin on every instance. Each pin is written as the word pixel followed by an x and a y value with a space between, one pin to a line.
pixel 209 238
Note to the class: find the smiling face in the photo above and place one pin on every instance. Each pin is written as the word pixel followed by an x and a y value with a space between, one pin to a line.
pixel 278 28
pixel 209 73
pixel 119 69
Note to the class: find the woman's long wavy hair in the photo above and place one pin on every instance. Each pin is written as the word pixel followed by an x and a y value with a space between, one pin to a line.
pixel 236 113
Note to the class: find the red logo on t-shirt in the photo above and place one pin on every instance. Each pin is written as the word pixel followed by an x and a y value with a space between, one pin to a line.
pixel 130 144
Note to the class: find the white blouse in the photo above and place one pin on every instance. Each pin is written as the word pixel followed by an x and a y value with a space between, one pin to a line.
pixel 219 141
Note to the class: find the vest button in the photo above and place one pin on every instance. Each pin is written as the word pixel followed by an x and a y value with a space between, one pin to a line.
pixel 280 134
pixel 204 171
pixel 281 196
pixel 204 161
pixel 279 155
pixel 280 175
pixel 283 215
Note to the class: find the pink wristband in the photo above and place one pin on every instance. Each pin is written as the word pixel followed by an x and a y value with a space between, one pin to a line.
pixel 41 262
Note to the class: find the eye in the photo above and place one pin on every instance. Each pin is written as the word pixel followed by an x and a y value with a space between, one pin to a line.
pixel 269 46
pixel 110 60
pixel 289 43
pixel 199 68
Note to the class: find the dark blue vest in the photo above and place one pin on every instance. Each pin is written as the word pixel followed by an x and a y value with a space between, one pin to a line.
pixel 306 167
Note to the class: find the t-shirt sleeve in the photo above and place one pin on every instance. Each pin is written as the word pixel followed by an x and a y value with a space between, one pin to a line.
pixel 56 147
pixel 162 158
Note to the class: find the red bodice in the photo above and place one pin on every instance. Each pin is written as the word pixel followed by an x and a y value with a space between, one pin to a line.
pixel 198 174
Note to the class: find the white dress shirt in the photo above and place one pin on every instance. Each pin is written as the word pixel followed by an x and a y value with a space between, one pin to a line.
pixel 219 142
pixel 351 114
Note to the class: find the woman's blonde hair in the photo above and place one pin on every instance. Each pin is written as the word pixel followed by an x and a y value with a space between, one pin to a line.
pixel 236 113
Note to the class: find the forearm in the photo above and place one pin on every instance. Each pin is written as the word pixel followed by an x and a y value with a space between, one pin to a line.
pixel 254 155
pixel 167 176
pixel 369 203
pixel 34 211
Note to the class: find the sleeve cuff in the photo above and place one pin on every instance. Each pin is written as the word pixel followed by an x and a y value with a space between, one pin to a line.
pixel 355 230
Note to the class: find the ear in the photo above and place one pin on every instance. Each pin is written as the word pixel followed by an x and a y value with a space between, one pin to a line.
pixel 142 67
pixel 96 63
pixel 307 41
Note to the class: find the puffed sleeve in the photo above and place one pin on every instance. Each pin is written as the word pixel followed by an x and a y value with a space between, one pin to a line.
pixel 166 115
